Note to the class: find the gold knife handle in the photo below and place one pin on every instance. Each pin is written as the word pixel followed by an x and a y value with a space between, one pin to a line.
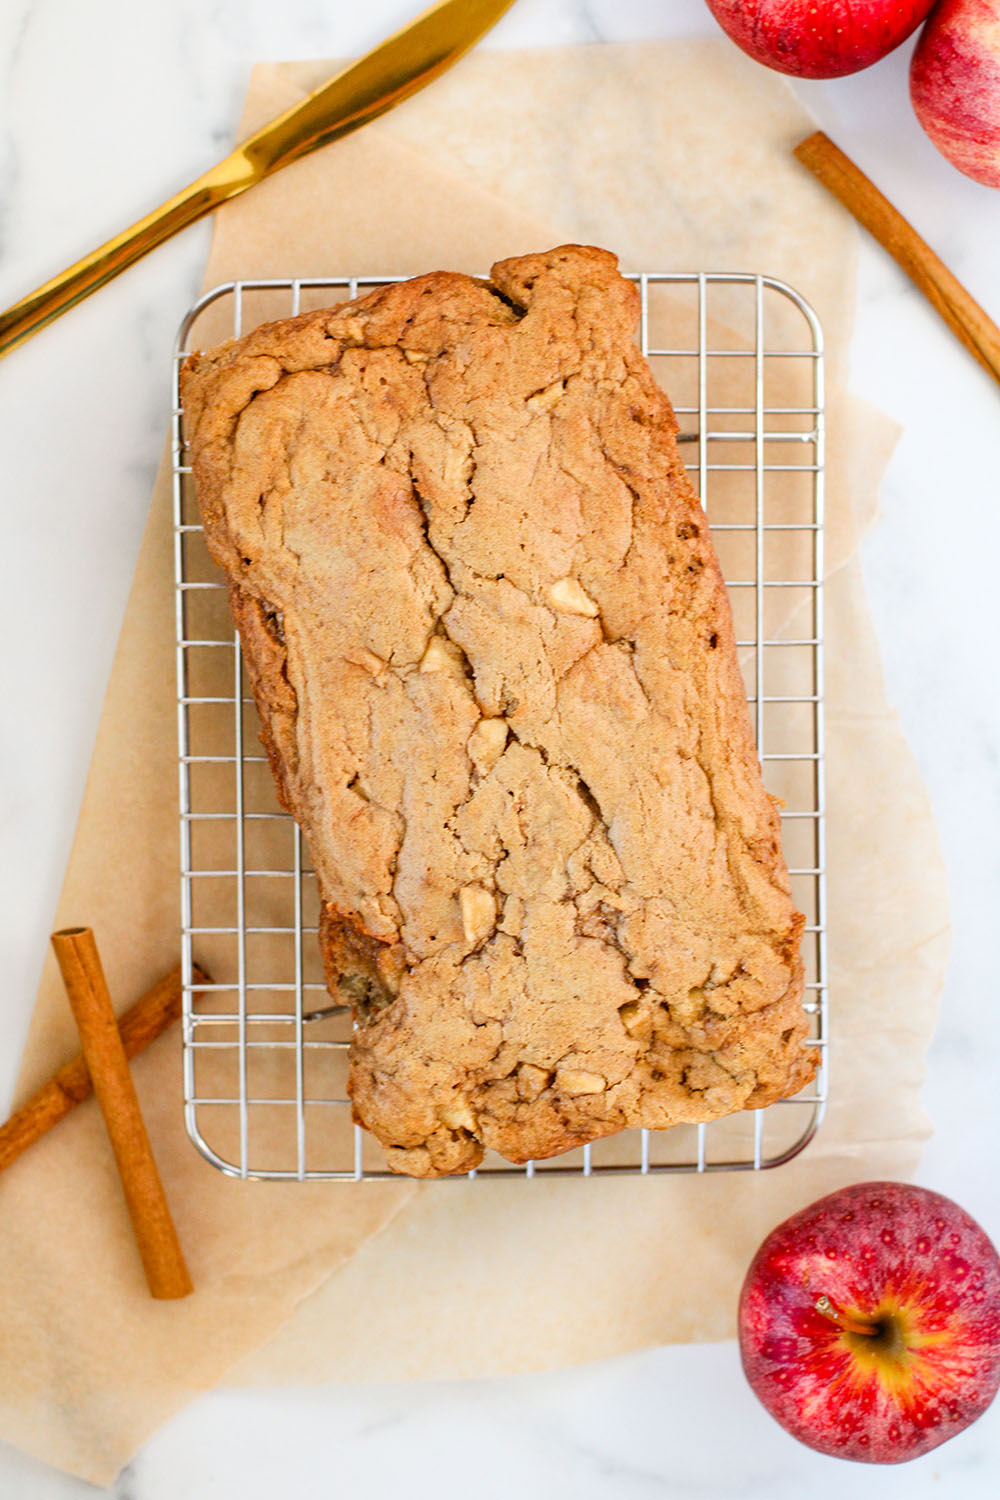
pixel 102 265
pixel 362 91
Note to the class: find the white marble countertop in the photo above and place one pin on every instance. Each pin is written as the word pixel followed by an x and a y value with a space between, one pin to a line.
pixel 104 110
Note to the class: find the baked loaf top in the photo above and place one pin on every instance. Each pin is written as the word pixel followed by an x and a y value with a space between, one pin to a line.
pixel 495 668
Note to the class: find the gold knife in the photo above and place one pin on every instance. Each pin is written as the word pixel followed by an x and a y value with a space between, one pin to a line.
pixel 363 90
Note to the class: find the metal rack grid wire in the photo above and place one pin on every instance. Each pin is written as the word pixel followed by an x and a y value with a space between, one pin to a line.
pixel 264 1060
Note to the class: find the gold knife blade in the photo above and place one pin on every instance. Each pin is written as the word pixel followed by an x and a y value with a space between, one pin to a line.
pixel 398 67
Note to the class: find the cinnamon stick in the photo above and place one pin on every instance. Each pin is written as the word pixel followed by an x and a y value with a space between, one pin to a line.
pixel 943 290
pixel 156 1236
pixel 147 1019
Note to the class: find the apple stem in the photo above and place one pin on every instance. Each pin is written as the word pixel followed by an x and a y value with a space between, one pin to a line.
pixel 844 1320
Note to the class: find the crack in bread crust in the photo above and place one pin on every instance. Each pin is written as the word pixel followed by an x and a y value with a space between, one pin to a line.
pixel 495 667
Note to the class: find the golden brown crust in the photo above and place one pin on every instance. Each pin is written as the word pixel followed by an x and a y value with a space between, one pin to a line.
pixel 263 641
pixel 495 666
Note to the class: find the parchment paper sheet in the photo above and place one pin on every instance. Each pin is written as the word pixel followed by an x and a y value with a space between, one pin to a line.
pixel 676 156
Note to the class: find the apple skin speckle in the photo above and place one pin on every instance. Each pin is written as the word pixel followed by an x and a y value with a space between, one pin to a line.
pixel 933 1289
pixel 955 85
pixel 810 41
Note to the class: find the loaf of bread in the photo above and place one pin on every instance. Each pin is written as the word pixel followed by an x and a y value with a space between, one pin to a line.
pixel 495 667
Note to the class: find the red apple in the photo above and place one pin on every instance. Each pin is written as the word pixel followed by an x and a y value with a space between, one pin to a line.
pixel 955 85
pixel 819 38
pixel 870 1322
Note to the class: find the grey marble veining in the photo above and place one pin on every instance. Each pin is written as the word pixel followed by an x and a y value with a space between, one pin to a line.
pixel 104 110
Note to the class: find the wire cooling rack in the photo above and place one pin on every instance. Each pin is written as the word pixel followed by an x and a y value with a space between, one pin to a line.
pixel 265 1053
